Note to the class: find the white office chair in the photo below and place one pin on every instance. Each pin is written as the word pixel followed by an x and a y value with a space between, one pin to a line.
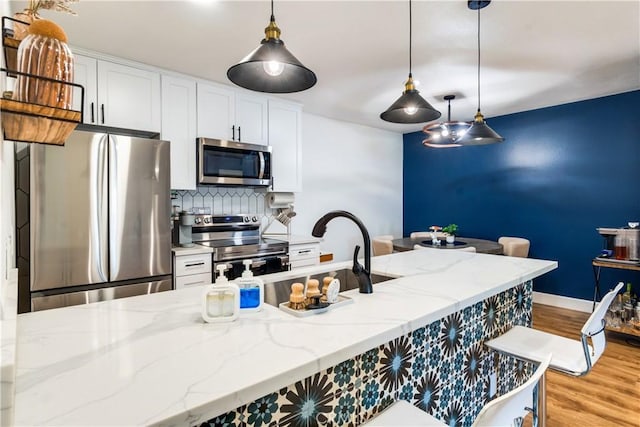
pixel 571 357
pixel 507 410
pixel 515 246
pixel 382 245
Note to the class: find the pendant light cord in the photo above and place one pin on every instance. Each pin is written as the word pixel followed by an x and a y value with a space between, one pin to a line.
pixel 478 59
pixel 272 16
pixel 410 28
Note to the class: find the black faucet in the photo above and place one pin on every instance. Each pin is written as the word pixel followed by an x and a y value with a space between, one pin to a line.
pixel 362 273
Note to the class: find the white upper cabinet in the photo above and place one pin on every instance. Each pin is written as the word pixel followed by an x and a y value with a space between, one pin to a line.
pixel 285 138
pixel 224 113
pixel 118 95
pixel 179 127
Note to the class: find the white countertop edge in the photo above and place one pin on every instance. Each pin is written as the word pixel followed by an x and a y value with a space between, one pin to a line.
pixel 194 250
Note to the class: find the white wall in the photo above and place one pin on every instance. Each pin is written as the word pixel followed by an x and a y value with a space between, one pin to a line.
pixel 349 167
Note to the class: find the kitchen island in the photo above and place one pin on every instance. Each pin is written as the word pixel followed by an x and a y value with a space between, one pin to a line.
pixel 151 360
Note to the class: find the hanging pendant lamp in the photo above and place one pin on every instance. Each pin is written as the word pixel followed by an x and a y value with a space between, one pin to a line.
pixel 445 134
pixel 410 107
pixel 271 67
pixel 479 133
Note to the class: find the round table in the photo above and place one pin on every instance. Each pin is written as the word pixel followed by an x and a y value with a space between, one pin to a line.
pixel 481 245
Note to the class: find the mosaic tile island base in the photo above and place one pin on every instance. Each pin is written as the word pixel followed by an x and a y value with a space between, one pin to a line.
pixel 152 361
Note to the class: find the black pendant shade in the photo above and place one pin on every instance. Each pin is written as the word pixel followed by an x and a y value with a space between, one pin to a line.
pixel 479 133
pixel 410 107
pixel 271 67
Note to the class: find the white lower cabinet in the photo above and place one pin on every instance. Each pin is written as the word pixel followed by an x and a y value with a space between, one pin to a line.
pixel 191 270
pixel 304 254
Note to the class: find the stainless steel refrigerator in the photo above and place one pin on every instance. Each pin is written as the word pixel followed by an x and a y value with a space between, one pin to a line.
pixel 99 219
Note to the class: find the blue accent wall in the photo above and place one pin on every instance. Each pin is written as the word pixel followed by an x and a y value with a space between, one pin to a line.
pixel 562 172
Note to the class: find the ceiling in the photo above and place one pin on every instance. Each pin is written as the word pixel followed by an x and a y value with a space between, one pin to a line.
pixel 534 53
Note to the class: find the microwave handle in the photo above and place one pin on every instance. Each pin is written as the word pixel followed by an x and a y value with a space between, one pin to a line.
pixel 262 165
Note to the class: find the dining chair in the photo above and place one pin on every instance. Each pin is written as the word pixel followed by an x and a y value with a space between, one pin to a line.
pixel 382 245
pixel 427 235
pixel 506 410
pixel 515 246
pixel 571 357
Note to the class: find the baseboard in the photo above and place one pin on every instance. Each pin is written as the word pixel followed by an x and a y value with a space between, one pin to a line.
pixel 563 302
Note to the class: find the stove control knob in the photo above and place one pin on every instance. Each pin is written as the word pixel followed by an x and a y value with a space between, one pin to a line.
pixel 197 220
pixel 207 220
pixel 254 219
pixel 246 219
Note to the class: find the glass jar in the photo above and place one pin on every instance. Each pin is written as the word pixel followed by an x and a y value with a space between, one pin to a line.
pixel 44 56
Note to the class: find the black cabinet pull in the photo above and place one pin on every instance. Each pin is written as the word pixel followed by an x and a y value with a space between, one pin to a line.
pixel 102 111
pixel 233 132
pixel 239 135
pixel 93 117
pixel 194 264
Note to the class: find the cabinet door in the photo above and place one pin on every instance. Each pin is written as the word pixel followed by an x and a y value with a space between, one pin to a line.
pixel 128 97
pixel 216 109
pixel 179 127
pixel 85 73
pixel 251 119
pixel 285 138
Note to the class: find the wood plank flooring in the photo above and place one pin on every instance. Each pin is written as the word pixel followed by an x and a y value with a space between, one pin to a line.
pixel 608 396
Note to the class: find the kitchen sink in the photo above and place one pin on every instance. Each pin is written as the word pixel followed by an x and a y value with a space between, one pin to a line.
pixel 277 292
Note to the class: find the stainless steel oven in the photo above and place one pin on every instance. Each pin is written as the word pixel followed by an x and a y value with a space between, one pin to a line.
pixel 223 162
pixel 235 238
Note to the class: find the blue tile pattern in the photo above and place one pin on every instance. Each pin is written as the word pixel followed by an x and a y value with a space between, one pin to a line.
pixel 442 368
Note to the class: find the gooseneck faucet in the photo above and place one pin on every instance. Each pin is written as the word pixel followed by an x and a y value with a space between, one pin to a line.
pixel 362 273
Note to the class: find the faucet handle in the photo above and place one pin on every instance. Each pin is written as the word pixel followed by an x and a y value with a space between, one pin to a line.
pixel 357 267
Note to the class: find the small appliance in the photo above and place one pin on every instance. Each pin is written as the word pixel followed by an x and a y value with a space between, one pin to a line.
pixel 221 162
pixel 182 225
pixel 621 244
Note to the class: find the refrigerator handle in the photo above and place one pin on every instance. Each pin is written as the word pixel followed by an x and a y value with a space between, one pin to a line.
pixel 100 206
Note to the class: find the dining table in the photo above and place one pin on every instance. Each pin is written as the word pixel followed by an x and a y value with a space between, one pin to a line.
pixel 481 245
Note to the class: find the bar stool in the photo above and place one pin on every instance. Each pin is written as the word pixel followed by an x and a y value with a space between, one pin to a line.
pixel 571 357
pixel 382 245
pixel 506 410
pixel 515 246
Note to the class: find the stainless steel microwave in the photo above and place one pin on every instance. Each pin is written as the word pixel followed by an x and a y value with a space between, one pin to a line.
pixel 233 163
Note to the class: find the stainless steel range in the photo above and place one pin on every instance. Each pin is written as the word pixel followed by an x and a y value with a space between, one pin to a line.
pixel 235 238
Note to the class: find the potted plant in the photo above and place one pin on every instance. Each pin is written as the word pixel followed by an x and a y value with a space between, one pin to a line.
pixel 451 230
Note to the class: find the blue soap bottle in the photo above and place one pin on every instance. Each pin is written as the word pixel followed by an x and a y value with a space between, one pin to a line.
pixel 251 289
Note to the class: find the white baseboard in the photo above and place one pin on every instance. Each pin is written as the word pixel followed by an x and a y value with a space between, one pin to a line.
pixel 563 302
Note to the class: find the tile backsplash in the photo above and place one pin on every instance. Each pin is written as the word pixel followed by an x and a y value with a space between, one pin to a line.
pixel 223 200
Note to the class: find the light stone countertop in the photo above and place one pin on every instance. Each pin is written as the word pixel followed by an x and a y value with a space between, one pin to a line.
pixel 8 324
pixel 152 360
pixel 194 250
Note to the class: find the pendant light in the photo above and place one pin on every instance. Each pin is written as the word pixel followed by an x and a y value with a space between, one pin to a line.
pixel 271 67
pixel 446 134
pixel 410 107
pixel 479 133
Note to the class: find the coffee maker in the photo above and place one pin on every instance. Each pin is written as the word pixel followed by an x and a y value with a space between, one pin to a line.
pixel 621 244
pixel 182 229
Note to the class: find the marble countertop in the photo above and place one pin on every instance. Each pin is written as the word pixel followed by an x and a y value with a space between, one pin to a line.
pixel 152 360
pixel 8 325
pixel 194 250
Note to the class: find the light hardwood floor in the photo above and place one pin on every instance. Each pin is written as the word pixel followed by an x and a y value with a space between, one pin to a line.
pixel 607 396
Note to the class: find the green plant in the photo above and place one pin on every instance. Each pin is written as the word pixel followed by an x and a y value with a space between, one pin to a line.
pixel 451 229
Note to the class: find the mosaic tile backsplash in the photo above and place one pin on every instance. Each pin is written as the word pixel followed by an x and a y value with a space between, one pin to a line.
pixel 222 200
pixel 442 368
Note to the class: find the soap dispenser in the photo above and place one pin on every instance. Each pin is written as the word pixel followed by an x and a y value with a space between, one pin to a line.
pixel 251 289
pixel 221 300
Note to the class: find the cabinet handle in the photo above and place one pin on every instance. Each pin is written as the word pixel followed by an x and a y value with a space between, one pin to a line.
pixel 102 111
pixel 239 134
pixel 306 251
pixel 199 282
pixel 233 132
pixel 93 116
pixel 195 264
pixel 273 179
